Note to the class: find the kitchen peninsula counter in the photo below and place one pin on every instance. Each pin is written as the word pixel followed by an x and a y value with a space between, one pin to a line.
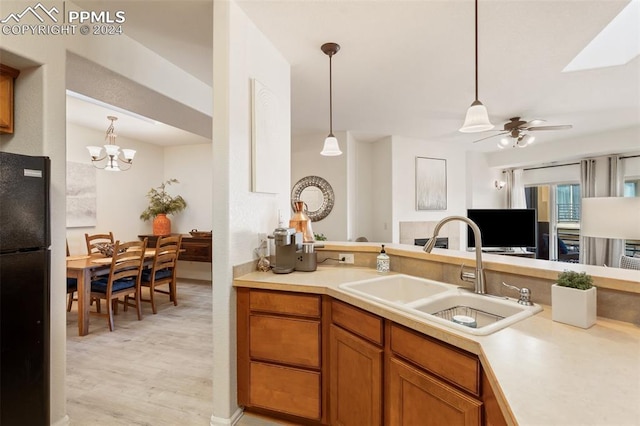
pixel 543 372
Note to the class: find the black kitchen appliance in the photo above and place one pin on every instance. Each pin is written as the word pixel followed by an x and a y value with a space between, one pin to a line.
pixel 24 290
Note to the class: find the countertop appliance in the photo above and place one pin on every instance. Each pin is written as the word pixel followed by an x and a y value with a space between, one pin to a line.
pixel 24 289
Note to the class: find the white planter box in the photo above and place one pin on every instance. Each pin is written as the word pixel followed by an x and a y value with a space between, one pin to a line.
pixel 572 306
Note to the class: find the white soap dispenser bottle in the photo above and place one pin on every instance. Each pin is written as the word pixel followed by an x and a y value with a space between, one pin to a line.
pixel 382 261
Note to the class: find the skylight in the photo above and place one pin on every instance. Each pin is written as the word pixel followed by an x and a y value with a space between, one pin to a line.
pixel 617 44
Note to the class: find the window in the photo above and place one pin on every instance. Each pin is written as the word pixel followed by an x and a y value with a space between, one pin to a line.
pixel 568 203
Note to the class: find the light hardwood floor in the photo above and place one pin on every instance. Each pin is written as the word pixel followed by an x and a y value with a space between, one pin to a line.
pixel 153 372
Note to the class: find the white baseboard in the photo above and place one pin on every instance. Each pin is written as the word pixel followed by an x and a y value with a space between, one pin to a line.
pixel 219 421
pixel 62 422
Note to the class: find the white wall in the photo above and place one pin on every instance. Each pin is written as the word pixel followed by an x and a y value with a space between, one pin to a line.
pixel 241 53
pixel 191 165
pixel 307 161
pixel 405 151
pixel 382 191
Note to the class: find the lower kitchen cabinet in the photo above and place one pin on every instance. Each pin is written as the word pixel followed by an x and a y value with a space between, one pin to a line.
pixel 417 398
pixel 355 368
pixel 311 359
pixel 280 369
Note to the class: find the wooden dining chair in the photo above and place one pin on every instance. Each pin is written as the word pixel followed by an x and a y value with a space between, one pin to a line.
pixel 163 270
pixel 72 287
pixel 94 240
pixel 123 278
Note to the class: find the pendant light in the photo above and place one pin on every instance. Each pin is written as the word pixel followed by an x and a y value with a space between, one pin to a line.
pixel 477 119
pixel 331 147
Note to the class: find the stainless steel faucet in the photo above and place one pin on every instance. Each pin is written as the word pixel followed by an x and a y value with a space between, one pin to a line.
pixel 478 276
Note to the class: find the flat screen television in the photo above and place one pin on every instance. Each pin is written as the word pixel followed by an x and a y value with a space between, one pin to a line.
pixel 504 228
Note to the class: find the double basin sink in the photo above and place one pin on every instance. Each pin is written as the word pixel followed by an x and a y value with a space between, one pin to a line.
pixel 443 303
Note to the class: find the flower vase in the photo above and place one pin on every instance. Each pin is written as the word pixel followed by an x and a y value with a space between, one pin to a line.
pixel 300 221
pixel 161 225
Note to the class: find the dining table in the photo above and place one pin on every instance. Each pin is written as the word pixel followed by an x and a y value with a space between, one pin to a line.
pixel 82 268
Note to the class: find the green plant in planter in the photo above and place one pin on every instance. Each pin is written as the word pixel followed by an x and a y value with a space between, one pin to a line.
pixel 577 280
pixel 320 237
pixel 161 202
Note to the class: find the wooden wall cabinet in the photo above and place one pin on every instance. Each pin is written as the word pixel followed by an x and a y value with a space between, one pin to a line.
pixel 280 358
pixel 7 77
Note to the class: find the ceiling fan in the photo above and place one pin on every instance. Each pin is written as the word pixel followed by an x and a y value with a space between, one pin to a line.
pixel 516 132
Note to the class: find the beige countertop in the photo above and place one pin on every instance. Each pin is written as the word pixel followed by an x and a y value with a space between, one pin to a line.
pixel 544 372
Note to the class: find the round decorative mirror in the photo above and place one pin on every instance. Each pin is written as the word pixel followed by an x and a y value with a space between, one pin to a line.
pixel 317 194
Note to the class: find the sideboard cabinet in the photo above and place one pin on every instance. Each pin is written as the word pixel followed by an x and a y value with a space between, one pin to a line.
pixel 194 249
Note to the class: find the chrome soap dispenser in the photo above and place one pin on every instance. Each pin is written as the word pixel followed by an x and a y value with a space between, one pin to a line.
pixel 382 261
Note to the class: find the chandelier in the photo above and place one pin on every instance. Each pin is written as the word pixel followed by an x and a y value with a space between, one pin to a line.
pixel 116 159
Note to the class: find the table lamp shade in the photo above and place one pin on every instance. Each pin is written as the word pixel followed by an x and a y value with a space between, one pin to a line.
pixel 610 217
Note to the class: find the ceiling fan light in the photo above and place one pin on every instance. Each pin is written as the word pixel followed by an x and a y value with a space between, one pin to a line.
pixel 504 141
pixel 530 139
pixel 331 147
pixel 477 119
pixel 500 145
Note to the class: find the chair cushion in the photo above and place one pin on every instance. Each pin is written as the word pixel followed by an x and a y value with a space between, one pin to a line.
pixel 628 262
pixel 100 285
pixel 162 273
pixel 72 285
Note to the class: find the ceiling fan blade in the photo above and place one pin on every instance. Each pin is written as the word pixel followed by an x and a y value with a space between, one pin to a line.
pixel 492 136
pixel 531 123
pixel 559 127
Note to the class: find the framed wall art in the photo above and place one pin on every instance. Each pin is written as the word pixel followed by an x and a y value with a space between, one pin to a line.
pixel 431 183
pixel 81 195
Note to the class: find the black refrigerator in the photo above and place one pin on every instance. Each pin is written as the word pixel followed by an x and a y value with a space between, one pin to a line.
pixel 24 290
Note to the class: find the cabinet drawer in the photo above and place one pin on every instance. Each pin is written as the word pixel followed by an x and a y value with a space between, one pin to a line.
pixel 362 323
pixel 195 250
pixel 457 367
pixel 285 389
pixel 285 340
pixel 285 303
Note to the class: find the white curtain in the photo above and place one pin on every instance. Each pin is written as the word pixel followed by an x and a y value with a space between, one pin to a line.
pixel 601 251
pixel 515 189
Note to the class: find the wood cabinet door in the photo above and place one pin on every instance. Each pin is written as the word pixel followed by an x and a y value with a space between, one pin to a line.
pixel 417 398
pixel 6 103
pixel 355 380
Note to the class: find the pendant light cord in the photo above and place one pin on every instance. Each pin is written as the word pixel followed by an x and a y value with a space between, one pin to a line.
pixel 476 50
pixel 330 98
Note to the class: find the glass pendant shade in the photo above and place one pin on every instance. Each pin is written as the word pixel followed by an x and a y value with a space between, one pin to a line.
pixel 94 151
pixel 331 147
pixel 477 119
pixel 129 153
pixel 112 149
